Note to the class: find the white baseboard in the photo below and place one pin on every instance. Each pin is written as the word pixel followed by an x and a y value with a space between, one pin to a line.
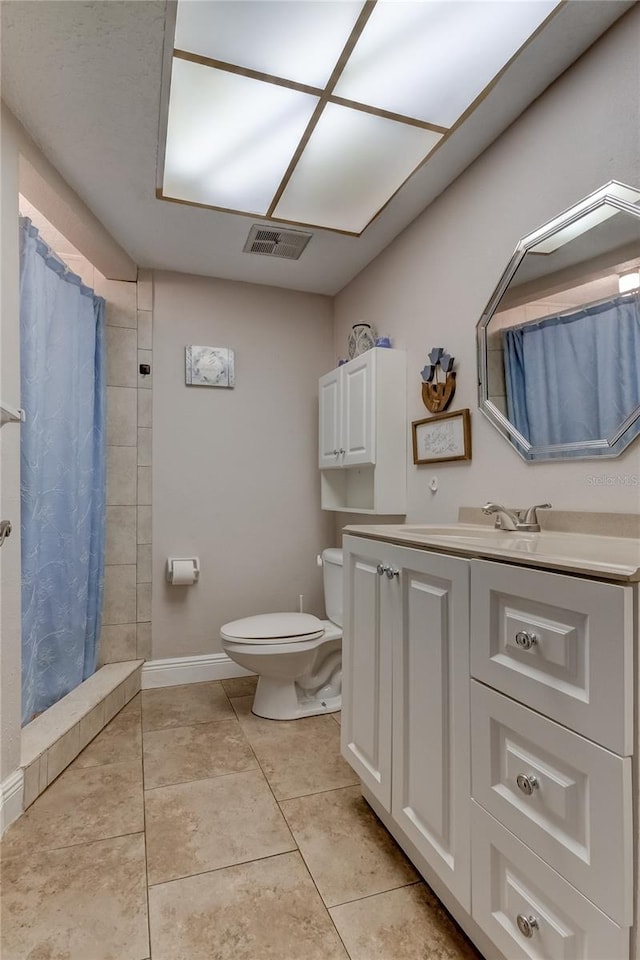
pixel 11 793
pixel 177 670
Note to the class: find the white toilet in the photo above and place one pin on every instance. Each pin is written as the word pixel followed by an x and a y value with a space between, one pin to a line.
pixel 298 658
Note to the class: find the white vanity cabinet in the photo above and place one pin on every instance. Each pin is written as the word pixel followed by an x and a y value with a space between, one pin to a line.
pixel 405 721
pixel 362 434
pixel 488 710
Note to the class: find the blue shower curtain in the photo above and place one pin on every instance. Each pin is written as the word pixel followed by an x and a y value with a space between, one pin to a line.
pixel 63 466
pixel 575 377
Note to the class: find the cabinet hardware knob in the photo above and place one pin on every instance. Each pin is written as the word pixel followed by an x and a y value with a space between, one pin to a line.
pixel 335 453
pixel 525 640
pixel 392 572
pixel 342 451
pixel 5 530
pixel 527 784
pixel 380 569
pixel 526 925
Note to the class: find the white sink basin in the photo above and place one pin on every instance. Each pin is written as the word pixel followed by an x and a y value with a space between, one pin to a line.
pixel 460 531
pixel 614 557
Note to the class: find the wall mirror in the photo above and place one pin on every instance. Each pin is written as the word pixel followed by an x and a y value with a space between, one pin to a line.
pixel 559 341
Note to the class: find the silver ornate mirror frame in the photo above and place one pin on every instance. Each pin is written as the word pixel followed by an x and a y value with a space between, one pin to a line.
pixel 618 196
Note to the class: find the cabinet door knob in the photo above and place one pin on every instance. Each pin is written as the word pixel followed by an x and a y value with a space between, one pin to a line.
pixel 380 569
pixel 392 572
pixel 525 640
pixel 527 783
pixel 336 453
pixel 342 451
pixel 526 925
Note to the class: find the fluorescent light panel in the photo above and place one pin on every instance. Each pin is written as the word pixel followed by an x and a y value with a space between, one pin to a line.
pixel 352 164
pixel 299 41
pixel 581 223
pixel 230 139
pixel 430 60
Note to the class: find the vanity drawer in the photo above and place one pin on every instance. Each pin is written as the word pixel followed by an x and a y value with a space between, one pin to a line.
pixel 572 802
pixel 559 644
pixel 527 909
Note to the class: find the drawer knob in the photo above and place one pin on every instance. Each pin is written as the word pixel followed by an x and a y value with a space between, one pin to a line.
pixel 392 572
pixel 527 784
pixel 526 925
pixel 380 569
pixel 525 640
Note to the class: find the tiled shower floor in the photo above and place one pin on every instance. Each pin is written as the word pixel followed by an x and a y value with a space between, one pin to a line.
pixel 190 829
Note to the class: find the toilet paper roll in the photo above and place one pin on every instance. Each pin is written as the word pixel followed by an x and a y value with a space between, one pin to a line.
pixel 183 572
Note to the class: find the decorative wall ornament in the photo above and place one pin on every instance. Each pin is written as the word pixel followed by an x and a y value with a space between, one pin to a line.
pixel 439 380
pixel 447 436
pixel 209 366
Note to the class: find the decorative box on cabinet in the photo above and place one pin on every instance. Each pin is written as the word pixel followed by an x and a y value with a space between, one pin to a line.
pixel 405 719
pixel 363 434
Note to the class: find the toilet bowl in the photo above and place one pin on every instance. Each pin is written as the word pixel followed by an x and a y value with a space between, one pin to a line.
pixel 297 657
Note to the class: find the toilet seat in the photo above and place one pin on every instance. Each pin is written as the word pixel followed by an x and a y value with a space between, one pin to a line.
pixel 273 628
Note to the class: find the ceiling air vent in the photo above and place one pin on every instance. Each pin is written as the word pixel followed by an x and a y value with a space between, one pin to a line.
pixel 270 242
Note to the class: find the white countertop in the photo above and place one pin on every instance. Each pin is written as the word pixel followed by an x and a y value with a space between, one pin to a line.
pixel 613 558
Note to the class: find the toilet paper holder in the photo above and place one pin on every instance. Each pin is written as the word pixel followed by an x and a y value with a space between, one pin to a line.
pixel 194 561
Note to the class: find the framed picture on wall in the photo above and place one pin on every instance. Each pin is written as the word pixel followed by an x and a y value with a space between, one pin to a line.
pixel 209 366
pixel 445 436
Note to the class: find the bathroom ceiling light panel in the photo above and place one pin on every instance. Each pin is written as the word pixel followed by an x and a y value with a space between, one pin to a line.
pixel 299 41
pixel 582 222
pixel 230 138
pixel 431 59
pixel 317 111
pixel 352 164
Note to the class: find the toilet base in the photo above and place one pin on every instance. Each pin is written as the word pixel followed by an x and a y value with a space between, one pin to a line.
pixel 283 700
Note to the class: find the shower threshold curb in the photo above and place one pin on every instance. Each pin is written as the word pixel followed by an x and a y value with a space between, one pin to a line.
pixel 55 738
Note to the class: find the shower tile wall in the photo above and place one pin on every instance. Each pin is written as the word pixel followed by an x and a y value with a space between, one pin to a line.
pixel 126 619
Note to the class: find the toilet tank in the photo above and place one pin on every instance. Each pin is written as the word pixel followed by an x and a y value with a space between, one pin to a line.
pixel 332 575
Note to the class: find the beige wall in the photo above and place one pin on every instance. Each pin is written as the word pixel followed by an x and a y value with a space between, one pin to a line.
pixel 10 659
pixel 430 286
pixel 235 471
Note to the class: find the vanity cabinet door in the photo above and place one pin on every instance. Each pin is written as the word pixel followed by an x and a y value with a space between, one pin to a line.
pixel 370 609
pixel 329 432
pixel 358 413
pixel 431 778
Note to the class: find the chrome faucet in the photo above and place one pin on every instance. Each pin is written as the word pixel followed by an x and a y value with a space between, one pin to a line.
pixel 525 521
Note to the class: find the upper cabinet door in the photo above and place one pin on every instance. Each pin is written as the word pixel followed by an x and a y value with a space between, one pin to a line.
pixel 358 413
pixel 329 440
pixel 431 778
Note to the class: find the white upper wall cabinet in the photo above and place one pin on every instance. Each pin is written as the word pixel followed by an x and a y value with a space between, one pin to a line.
pixel 363 434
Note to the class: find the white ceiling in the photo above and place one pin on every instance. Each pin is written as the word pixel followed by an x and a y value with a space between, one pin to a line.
pixel 84 80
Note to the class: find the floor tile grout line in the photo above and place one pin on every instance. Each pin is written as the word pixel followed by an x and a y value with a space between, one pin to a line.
pixel 209 776
pixel 192 723
pixel 224 866
pixel 144 822
pixel 378 893
pixel 68 846
pixel 266 778
pixel 317 793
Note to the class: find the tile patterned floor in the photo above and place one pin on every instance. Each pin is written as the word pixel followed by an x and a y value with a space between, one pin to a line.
pixel 190 829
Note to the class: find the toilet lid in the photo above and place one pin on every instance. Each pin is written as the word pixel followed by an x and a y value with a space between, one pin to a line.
pixel 274 628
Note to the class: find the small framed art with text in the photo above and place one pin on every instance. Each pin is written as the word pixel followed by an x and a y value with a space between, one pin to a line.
pixel 445 436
